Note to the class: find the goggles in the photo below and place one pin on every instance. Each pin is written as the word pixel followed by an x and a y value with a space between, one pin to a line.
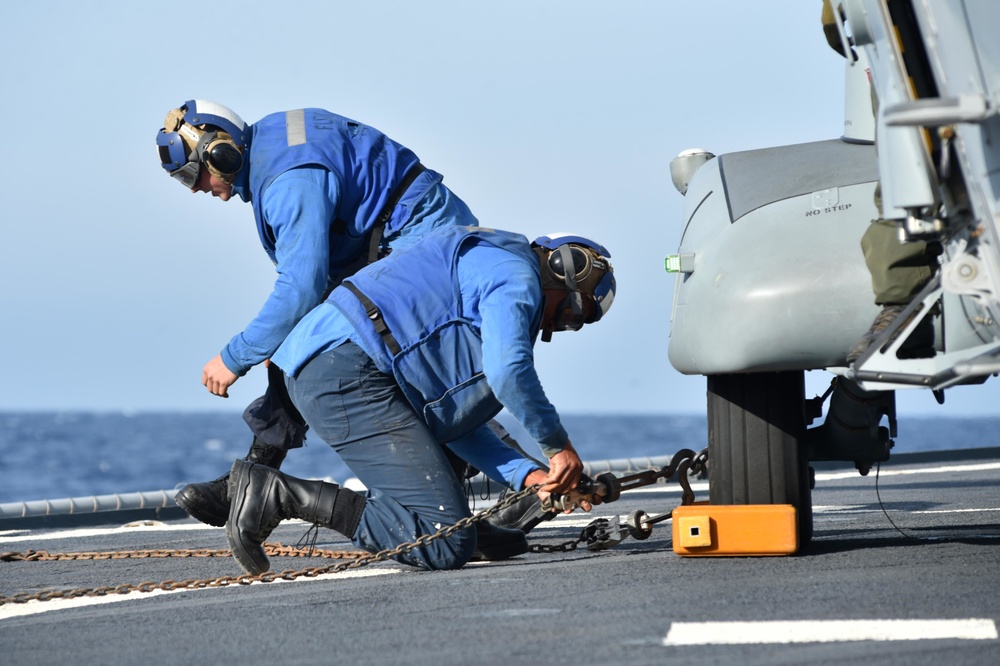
pixel 570 255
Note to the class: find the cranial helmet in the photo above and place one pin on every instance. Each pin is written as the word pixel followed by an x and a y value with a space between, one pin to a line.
pixel 582 268
pixel 202 133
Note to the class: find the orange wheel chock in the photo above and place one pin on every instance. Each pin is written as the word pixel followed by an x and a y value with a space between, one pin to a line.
pixel 749 530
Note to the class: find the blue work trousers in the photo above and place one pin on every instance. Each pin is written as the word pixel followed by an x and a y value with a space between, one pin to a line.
pixel 412 488
pixel 272 418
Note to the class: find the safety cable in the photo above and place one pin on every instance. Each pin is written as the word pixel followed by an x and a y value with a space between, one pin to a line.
pixel 878 495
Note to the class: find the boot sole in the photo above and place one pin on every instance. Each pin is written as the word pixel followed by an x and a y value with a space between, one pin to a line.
pixel 240 476
pixel 496 554
pixel 500 550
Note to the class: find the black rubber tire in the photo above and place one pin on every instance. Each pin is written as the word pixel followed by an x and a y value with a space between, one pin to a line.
pixel 756 455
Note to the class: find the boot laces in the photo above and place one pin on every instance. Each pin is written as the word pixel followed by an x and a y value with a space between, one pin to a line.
pixel 485 490
pixel 309 539
pixel 885 318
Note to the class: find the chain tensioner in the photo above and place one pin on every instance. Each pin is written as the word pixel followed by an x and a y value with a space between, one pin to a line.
pixel 608 488
pixel 604 488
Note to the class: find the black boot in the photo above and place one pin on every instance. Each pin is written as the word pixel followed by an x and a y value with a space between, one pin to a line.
pixel 209 501
pixel 524 515
pixel 527 512
pixel 498 543
pixel 261 497
pixel 492 542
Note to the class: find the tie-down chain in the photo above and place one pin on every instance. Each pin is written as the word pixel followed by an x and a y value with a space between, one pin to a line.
pixel 604 533
pixel 600 534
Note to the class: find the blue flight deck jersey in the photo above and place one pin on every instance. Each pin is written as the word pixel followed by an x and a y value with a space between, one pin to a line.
pixel 497 295
pixel 317 182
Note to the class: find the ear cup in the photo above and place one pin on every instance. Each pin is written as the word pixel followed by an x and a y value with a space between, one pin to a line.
pixel 225 157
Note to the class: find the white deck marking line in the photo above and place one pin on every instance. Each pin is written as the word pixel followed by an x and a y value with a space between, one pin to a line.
pixel 11 610
pixel 956 510
pixel 83 532
pixel 10 536
pixel 851 510
pixel 832 476
pixel 826 631
pixel 576 520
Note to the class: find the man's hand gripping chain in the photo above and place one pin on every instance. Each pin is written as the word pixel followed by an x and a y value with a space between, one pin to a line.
pixel 607 487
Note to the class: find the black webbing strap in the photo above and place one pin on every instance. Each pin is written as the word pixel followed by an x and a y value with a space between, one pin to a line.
pixel 378 321
pixel 390 205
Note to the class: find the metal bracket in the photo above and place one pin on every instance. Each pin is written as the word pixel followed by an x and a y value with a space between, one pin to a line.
pixel 604 533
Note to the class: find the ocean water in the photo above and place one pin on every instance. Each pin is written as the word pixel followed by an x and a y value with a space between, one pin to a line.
pixel 53 455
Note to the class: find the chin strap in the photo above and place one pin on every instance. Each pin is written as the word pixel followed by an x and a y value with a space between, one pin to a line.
pixel 569 271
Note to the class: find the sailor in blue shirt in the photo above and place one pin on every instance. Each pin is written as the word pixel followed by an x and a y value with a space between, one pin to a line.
pixel 329 195
pixel 415 354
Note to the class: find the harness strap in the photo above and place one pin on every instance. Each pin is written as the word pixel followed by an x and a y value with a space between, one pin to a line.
pixel 378 321
pixel 379 227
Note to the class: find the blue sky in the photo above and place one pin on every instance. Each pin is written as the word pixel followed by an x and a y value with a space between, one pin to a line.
pixel 543 116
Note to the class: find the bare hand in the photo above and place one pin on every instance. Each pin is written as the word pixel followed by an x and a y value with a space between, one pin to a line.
pixel 565 469
pixel 217 378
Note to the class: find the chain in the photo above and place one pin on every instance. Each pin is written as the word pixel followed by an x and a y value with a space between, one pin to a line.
pixel 405 548
pixel 604 533
pixel 609 487
pixel 357 559
pixel 597 535
pixel 275 549
pixel 601 533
